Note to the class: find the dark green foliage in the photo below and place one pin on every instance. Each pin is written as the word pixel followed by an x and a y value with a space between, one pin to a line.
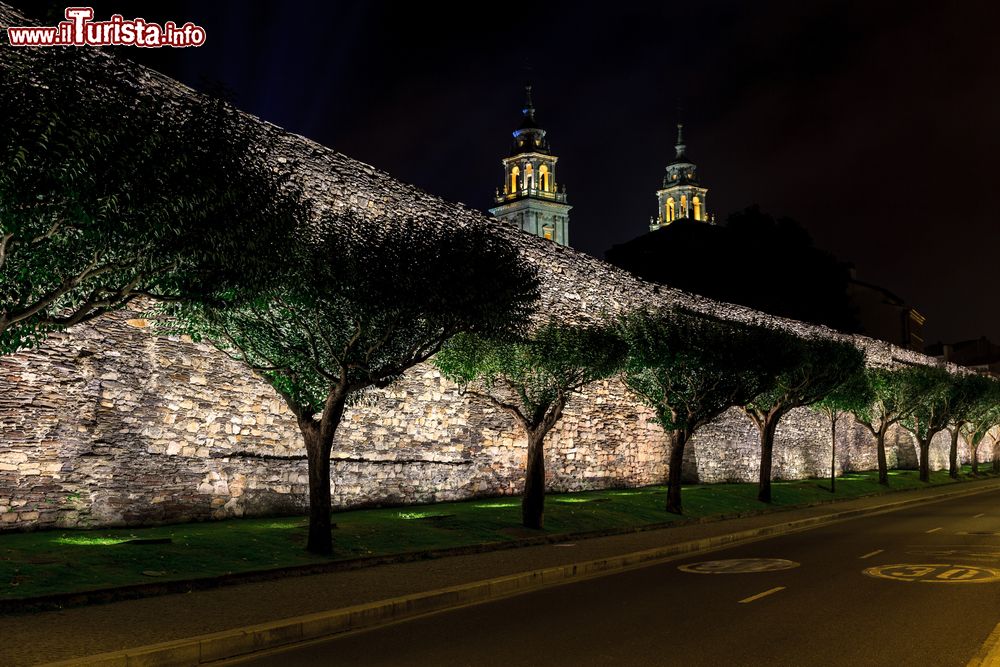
pixel 364 302
pixel 932 410
pixel 780 270
pixel 808 370
pixel 689 368
pixel 537 370
pixel 978 414
pixel 358 304
pixel 852 395
pixel 895 394
pixel 531 378
pixel 107 192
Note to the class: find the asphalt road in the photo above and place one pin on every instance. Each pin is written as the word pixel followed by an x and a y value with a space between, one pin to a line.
pixel 823 610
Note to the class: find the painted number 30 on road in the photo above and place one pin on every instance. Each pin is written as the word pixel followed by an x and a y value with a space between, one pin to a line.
pixel 936 573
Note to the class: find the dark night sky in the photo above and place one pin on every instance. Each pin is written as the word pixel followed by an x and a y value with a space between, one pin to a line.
pixel 874 124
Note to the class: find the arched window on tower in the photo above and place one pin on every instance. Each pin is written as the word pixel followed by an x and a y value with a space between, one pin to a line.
pixel 543 177
pixel 529 176
pixel 514 174
pixel 696 202
pixel 670 209
pixel 683 213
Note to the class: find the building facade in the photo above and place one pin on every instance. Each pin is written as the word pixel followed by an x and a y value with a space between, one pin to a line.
pixel 530 197
pixel 681 195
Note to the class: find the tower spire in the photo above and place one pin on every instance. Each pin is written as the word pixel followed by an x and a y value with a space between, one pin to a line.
pixel 530 197
pixel 529 107
pixel 679 146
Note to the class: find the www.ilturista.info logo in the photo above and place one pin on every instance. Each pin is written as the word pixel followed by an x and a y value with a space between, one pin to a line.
pixel 80 30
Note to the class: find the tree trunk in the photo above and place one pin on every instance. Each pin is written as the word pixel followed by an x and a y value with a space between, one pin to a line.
pixel 925 447
pixel 883 467
pixel 533 501
pixel 767 429
pixel 680 438
pixel 974 455
pixel 318 438
pixel 320 540
pixel 953 454
pixel 833 452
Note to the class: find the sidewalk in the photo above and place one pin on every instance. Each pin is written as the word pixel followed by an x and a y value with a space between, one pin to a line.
pixel 41 637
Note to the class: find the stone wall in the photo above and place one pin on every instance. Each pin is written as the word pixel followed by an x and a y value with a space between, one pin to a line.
pixel 111 425
pixel 108 425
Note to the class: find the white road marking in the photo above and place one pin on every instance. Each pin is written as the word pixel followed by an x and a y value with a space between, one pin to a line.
pixel 979 515
pixel 877 551
pixel 933 530
pixel 760 595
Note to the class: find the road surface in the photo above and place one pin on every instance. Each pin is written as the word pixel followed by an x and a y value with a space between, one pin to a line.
pixel 919 586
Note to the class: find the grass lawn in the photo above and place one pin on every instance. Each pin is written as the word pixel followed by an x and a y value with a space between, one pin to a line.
pixel 64 561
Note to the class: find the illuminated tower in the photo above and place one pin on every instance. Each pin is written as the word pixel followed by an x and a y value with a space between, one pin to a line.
pixel 530 197
pixel 680 196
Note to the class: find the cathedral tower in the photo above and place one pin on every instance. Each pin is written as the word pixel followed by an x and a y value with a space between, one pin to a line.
pixel 530 197
pixel 680 196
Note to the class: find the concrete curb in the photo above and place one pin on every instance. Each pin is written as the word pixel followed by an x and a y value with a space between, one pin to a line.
pixel 989 654
pixel 243 641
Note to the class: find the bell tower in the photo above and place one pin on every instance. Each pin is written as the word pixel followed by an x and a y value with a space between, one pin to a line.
pixel 530 197
pixel 681 196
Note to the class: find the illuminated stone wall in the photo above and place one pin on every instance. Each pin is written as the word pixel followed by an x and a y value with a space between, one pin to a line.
pixel 110 425
pixel 107 425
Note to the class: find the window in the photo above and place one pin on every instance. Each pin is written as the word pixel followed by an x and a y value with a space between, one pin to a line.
pixel 683 213
pixel 514 173
pixel 670 209
pixel 547 233
pixel 529 176
pixel 696 202
pixel 543 177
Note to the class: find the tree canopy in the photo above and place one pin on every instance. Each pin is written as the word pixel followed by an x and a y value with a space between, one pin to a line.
pixel 931 411
pixel 360 302
pixel 852 395
pixel 531 377
pixel 689 368
pixel 107 192
pixel 895 394
pixel 808 370
pixel 780 270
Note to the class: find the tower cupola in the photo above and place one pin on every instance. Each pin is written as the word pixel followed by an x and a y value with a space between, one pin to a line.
pixel 530 196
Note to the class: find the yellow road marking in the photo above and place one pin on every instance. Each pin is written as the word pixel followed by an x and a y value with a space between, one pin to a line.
pixel 933 530
pixel 989 653
pixel 760 595
pixel 877 551
pixel 979 515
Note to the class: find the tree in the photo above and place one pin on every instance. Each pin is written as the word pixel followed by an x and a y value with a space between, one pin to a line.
pixel 689 368
pixel 965 395
pixel 107 192
pixel 895 394
pixel 931 410
pixel 982 417
pixel 810 368
pixel 358 304
pixel 852 395
pixel 531 378
pixel 781 271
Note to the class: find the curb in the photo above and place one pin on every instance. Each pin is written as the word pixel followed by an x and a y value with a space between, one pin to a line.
pixel 243 641
pixel 989 654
